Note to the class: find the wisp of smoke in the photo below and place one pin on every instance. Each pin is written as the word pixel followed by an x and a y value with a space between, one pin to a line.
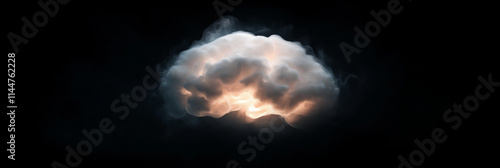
pixel 249 74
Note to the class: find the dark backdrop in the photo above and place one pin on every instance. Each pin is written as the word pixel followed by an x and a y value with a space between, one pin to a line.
pixel 91 52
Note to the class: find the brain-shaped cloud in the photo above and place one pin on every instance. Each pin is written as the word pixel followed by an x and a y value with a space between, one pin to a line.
pixel 254 75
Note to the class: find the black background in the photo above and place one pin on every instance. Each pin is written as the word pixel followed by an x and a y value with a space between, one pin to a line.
pixel 91 52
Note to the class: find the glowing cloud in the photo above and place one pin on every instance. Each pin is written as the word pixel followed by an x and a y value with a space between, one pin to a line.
pixel 254 75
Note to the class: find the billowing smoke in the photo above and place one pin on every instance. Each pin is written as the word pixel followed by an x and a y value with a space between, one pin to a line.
pixel 249 74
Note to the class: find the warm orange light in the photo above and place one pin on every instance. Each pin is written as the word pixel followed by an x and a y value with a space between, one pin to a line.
pixel 246 103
